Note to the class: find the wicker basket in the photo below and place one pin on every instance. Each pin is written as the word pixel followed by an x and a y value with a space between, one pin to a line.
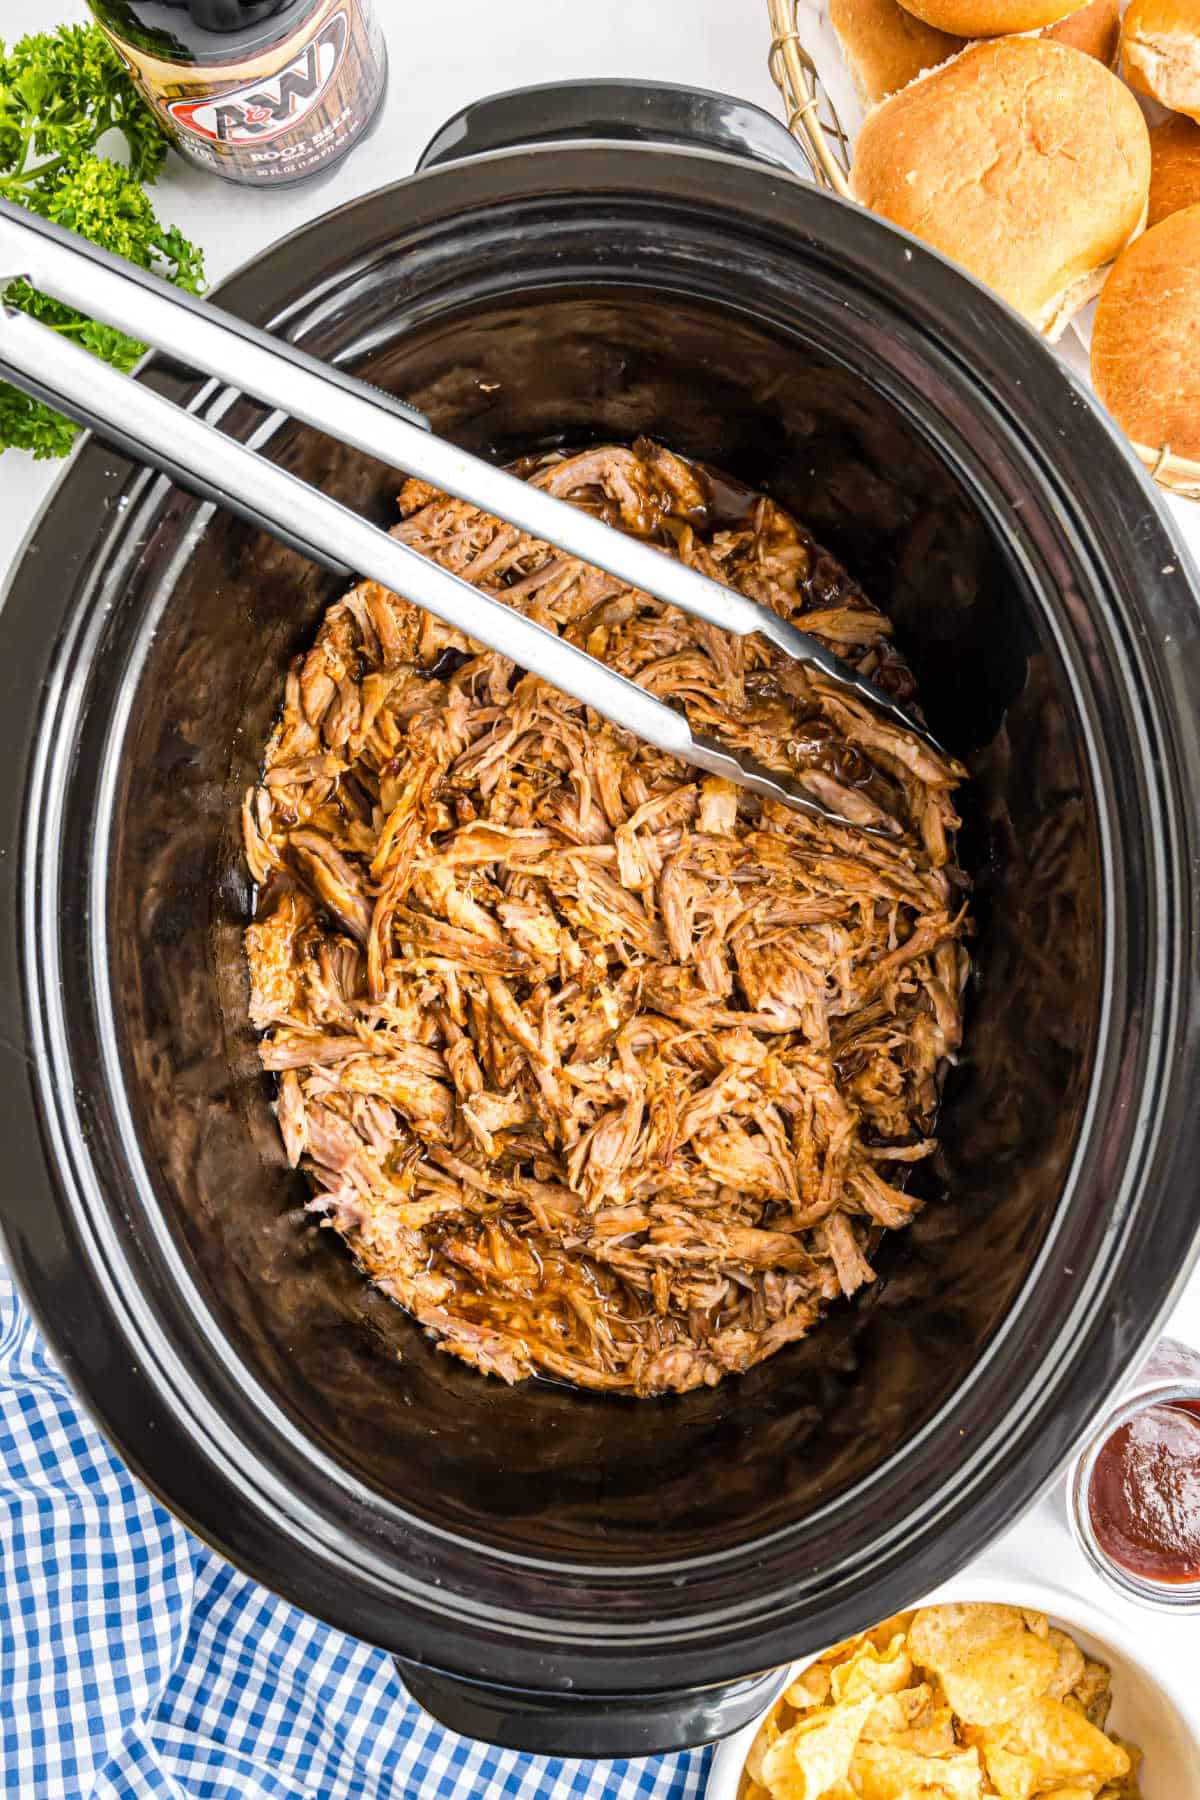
pixel 813 121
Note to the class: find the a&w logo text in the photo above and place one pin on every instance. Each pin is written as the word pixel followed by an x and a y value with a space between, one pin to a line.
pixel 262 109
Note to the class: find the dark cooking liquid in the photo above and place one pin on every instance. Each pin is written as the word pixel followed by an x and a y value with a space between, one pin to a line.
pixel 1144 1495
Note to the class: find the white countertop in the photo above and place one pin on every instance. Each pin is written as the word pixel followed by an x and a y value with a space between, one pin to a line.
pixel 442 57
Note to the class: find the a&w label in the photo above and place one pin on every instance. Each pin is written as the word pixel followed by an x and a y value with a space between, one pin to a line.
pixel 279 114
pixel 262 109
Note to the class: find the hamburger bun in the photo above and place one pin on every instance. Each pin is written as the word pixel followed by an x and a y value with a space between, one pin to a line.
pixel 885 47
pixel 1146 337
pixel 1174 167
pixel 1095 29
pixel 1160 41
pixel 1024 161
pixel 990 18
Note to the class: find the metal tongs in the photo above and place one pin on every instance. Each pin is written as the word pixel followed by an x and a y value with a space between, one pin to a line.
pixel 207 461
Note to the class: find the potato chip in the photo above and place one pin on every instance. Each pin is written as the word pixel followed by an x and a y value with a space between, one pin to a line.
pixel 882 1634
pixel 1013 1773
pixel 937 1738
pixel 1094 1692
pixel 1071 1666
pixel 962 1623
pixel 1128 1781
pixel 922 1794
pixel 815 1755
pixel 810 1687
pixel 988 1660
pixel 1125 1787
pixel 1067 1746
pixel 881 1771
pixel 895 1713
pixel 869 1672
pixel 767 1734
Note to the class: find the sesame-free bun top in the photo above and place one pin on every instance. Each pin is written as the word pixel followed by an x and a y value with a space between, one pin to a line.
pixel 1174 167
pixel 1026 162
pixel 1146 337
pixel 886 47
pixel 990 18
pixel 1095 29
pixel 1160 43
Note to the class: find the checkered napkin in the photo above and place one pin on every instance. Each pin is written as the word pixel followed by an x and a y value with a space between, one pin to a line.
pixel 135 1665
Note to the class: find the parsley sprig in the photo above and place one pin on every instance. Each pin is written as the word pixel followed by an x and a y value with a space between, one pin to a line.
pixel 60 93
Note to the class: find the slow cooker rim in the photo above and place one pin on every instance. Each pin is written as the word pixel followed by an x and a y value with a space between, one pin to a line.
pixel 603 1572
pixel 501 159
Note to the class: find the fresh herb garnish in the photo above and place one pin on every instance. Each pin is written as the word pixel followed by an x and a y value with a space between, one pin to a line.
pixel 60 92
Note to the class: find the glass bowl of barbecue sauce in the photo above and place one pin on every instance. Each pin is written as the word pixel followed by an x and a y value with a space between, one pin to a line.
pixel 1134 1492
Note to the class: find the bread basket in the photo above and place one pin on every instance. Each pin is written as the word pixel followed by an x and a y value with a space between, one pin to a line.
pixel 812 119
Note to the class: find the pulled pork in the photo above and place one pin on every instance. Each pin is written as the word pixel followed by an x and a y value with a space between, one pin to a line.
pixel 603 1069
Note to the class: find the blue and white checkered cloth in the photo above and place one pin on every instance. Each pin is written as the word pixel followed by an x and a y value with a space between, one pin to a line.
pixel 136 1665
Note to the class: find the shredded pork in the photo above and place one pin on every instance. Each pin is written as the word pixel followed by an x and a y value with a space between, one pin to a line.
pixel 603 1069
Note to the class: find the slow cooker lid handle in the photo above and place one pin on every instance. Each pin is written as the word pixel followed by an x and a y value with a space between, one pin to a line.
pixel 644 112
pixel 561 1722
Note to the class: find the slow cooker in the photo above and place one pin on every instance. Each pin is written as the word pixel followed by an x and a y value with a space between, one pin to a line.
pixel 559 1570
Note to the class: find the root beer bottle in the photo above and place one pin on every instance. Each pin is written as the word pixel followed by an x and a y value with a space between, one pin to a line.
pixel 259 91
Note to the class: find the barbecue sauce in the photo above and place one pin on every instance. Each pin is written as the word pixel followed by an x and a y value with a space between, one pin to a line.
pixel 1144 1494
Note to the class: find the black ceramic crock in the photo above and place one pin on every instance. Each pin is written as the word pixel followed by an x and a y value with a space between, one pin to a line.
pixel 558 1570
